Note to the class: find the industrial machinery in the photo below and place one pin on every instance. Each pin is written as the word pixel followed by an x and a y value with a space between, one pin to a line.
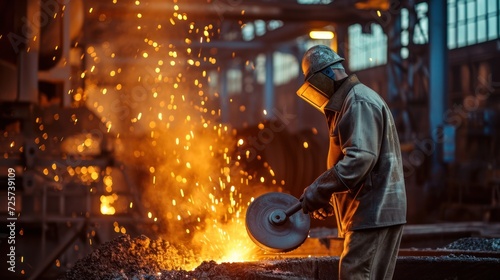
pixel 60 151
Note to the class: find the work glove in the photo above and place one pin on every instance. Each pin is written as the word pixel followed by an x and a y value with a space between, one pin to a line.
pixel 319 193
pixel 314 198
pixel 323 213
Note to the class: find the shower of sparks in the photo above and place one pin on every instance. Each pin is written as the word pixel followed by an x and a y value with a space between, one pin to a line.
pixel 164 121
pixel 158 110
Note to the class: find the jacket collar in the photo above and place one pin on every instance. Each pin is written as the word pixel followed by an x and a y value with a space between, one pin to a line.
pixel 337 99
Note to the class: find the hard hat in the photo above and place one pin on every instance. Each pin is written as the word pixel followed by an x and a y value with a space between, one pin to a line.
pixel 319 57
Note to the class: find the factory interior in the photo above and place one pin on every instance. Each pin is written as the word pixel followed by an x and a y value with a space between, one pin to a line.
pixel 136 133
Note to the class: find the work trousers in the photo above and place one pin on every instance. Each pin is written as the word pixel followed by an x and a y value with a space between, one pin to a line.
pixel 370 253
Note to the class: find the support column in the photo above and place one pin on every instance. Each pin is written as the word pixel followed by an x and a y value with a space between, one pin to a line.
pixel 224 105
pixel 340 43
pixel 269 84
pixel 438 62
pixel 28 55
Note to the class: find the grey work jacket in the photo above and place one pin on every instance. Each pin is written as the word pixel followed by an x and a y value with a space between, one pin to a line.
pixel 365 156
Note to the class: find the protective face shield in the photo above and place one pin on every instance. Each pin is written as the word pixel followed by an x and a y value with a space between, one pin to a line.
pixel 318 89
pixel 317 65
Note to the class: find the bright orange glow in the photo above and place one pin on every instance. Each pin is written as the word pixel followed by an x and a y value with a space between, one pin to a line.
pixel 106 201
pixel 166 127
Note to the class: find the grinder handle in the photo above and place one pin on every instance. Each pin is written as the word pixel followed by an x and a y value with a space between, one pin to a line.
pixel 292 210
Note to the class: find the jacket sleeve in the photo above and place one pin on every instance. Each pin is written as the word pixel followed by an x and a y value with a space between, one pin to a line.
pixel 359 132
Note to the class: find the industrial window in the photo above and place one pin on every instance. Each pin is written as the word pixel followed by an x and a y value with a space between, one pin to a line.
pixel 234 79
pixel 260 68
pixel 250 30
pixel 286 68
pixel 472 21
pixel 366 49
pixel 253 29
pixel 420 30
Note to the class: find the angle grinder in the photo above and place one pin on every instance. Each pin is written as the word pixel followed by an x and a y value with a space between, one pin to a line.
pixel 274 222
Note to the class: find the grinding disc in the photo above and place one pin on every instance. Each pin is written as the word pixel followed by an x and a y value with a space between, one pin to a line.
pixel 277 238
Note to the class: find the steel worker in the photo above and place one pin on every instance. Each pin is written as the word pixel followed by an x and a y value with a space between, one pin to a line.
pixel 363 185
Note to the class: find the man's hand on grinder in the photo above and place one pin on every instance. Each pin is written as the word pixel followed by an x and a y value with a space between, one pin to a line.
pixel 312 199
pixel 319 193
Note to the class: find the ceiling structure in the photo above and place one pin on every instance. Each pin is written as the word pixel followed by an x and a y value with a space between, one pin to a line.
pixel 107 19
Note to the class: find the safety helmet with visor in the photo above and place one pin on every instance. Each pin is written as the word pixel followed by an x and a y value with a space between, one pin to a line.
pixel 318 64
